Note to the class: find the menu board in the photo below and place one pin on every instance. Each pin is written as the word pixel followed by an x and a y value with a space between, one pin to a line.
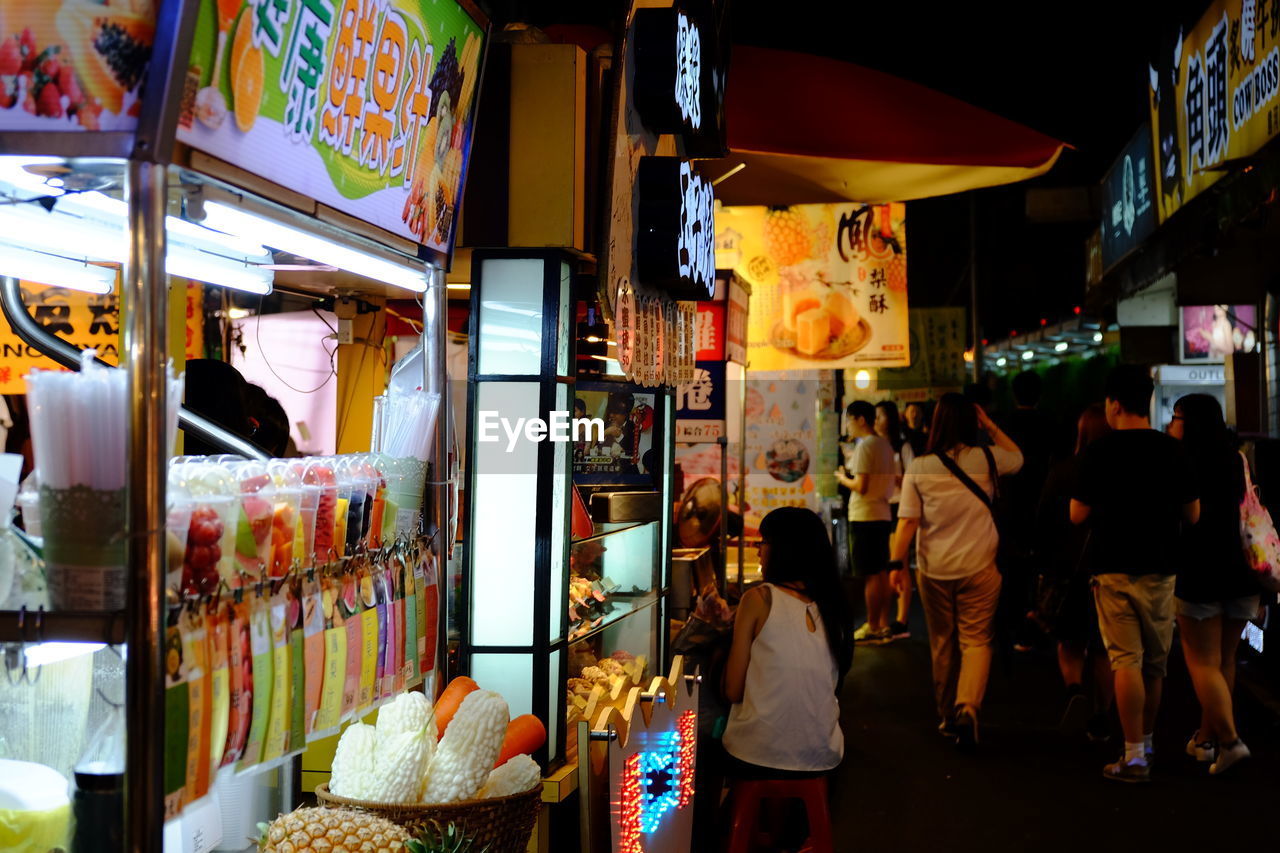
pixel 73 65
pixel 363 105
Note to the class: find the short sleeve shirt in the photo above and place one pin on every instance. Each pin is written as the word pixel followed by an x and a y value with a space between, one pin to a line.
pixel 957 536
pixel 873 458
pixel 1135 483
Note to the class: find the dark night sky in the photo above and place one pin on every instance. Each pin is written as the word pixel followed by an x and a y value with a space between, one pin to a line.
pixel 1074 70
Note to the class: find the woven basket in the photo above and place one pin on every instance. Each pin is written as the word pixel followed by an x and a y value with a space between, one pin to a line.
pixel 503 823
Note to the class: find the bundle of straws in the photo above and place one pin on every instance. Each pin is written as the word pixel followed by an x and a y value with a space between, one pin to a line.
pixel 80 421
pixel 404 424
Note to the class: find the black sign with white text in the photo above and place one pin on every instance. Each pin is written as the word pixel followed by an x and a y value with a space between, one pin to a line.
pixel 1128 199
pixel 680 76
pixel 676 249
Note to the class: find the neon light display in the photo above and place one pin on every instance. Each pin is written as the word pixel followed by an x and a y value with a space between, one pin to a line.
pixel 688 729
pixel 629 820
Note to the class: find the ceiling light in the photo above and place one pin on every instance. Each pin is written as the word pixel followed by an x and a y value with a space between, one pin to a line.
pixel 458 286
pixel 1061 346
pixel 55 271
pixel 1001 361
pixel 1027 355
pixel 862 379
pixel 1097 337
pixel 234 221
pixel 237 313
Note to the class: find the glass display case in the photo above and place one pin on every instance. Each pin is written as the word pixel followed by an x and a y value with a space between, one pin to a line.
pixel 566 623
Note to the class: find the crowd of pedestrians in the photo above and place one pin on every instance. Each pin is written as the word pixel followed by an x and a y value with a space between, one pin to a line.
pixel 1101 551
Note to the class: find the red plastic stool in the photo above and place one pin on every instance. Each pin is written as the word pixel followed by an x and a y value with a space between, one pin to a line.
pixel 748 794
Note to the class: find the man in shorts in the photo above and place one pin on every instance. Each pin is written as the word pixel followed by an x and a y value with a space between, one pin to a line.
pixel 1135 491
pixel 870 480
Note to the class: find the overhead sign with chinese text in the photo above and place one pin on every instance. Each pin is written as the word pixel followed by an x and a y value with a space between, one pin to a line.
pixel 362 105
pixel 676 239
pixel 680 76
pixel 700 405
pixel 828 283
pixel 1213 97
pixel 1128 199
pixel 709 332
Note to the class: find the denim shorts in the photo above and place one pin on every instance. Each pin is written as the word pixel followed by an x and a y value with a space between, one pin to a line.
pixel 1233 608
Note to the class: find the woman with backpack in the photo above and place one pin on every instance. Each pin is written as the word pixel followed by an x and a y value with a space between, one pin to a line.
pixel 1216 589
pixel 947 497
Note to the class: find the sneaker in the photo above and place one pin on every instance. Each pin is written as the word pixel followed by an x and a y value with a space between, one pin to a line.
pixel 966 729
pixel 1228 755
pixel 1204 751
pixel 899 631
pixel 863 632
pixel 873 638
pixel 1134 772
pixel 1075 717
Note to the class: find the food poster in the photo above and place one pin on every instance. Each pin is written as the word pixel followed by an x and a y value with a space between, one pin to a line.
pixel 362 105
pixel 828 283
pixel 782 442
pixel 73 65
pixel 627 445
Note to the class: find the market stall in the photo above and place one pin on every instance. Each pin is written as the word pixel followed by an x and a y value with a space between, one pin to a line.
pixel 263 602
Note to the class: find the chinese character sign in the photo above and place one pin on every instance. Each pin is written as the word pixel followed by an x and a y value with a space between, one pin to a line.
pixel 77 317
pixel 828 284
pixel 1213 97
pixel 363 105
pixel 700 404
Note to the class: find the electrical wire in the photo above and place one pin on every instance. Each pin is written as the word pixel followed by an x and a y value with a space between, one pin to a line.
pixel 257 338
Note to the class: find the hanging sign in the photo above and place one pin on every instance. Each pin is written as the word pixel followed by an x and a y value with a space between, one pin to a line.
pixel 82 319
pixel 680 77
pixel 700 404
pixel 1128 199
pixel 1214 97
pixel 362 105
pixel 73 65
pixel 828 284
pixel 735 326
pixel 676 240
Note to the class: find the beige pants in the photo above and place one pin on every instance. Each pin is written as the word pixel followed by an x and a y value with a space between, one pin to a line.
pixel 961 618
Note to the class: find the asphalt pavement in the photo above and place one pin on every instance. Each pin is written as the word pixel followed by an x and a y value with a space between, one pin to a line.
pixel 1030 786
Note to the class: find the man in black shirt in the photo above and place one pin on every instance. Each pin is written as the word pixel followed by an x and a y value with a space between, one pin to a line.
pixel 1135 490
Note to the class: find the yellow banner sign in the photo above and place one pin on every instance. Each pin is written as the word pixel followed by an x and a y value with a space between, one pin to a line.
pixel 82 319
pixel 828 283
pixel 1213 99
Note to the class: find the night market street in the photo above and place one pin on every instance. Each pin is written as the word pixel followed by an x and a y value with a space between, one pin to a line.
pixel 903 787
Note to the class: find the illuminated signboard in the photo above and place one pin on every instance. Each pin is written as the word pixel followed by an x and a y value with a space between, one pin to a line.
pixel 680 77
pixel 652 768
pixel 676 241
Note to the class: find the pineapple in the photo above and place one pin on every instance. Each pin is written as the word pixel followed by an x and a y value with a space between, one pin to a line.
pixel 896 272
pixel 438 839
pixel 786 236
pixel 319 830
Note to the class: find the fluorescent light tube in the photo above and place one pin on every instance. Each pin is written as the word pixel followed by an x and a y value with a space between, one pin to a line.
pixel 56 271
pixel 234 221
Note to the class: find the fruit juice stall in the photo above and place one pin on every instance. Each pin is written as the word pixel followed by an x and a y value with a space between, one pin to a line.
pixel 177 629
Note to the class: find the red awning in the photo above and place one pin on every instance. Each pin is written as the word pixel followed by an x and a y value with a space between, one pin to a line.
pixel 812 129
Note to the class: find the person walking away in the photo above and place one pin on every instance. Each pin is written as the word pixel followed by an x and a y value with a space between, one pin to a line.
pixel 889 427
pixel 1216 590
pixel 1033 432
pixel 1074 622
pixel 792 647
pixel 870 480
pixel 1135 489
pixel 946 505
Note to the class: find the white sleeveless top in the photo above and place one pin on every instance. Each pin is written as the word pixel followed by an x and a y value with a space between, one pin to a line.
pixel 789 717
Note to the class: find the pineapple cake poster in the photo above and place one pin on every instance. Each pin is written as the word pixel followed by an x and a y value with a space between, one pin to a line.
pixel 828 283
